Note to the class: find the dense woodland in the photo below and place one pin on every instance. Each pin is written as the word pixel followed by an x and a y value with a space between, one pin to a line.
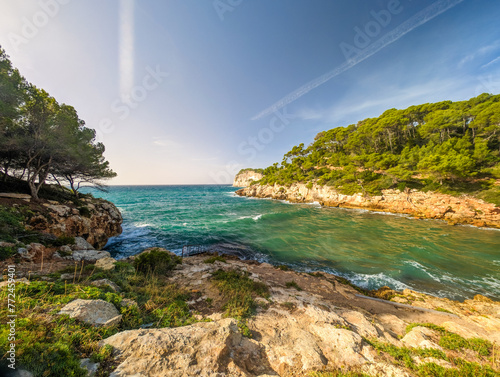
pixel 43 141
pixel 451 147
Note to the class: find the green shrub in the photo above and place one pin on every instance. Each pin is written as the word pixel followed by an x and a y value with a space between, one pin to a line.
pixel 214 259
pixel 293 284
pixel 239 290
pixel 156 261
pixel 63 240
pixel 7 251
pixel 85 211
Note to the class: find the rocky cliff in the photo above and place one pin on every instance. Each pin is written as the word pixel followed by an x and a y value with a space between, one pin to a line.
pixel 96 220
pixel 244 178
pixel 430 205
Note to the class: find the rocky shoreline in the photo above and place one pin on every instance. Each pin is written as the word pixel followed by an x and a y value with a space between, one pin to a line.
pixel 307 323
pixel 464 210
pixel 214 315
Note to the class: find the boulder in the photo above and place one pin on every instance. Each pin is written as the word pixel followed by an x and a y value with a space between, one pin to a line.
pixel 93 312
pixel 89 366
pixel 81 244
pixel 420 337
pixel 11 195
pixel 90 255
pixel 202 349
pixel 106 282
pixel 106 263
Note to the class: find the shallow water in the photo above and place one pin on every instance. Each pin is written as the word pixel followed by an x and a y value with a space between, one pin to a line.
pixel 370 249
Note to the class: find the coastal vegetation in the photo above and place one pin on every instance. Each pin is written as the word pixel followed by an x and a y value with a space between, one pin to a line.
pixel 44 141
pixel 449 147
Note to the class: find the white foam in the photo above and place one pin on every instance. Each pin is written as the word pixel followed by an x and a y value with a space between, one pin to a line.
pixel 421 268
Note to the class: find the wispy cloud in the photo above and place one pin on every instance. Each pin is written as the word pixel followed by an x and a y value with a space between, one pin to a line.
pixel 126 62
pixel 480 52
pixel 494 61
pixel 417 20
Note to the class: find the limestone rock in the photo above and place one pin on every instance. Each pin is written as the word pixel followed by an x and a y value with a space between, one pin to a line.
pixel 420 337
pixel 90 255
pixel 106 282
pixel 93 312
pixel 432 205
pixel 81 244
pixel 245 178
pixel 67 276
pixel 102 222
pixel 126 302
pixel 106 263
pixel 202 349
pixel 89 366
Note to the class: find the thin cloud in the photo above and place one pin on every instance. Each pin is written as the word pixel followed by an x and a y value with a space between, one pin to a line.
pixel 126 61
pixel 419 19
pixel 494 61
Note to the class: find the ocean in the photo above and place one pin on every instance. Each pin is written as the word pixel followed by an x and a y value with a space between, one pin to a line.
pixel 370 249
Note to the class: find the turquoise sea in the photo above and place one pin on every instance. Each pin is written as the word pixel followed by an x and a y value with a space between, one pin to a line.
pixel 370 249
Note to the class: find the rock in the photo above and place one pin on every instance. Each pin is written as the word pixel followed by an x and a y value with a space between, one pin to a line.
pixel 126 302
pixel 341 345
pixel 202 349
pixel 106 282
pixel 11 195
pixel 81 244
pixel 433 205
pixel 23 253
pixel 67 276
pixel 20 373
pixel 106 263
pixel 89 366
pixel 95 226
pixel 420 337
pixel 93 312
pixel 66 249
pixel 7 244
pixel 385 293
pixel 56 255
pixel 90 255
pixel 245 178
pixel 17 281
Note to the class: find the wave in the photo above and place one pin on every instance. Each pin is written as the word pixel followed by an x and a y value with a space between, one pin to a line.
pixel 420 267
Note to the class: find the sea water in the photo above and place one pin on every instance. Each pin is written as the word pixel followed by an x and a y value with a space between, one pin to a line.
pixel 370 249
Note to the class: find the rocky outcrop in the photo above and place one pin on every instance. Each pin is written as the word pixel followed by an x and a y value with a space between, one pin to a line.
pixel 96 221
pixel 323 327
pixel 429 205
pixel 246 177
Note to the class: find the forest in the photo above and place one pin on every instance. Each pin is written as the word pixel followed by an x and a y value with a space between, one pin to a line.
pixel 43 141
pixel 449 147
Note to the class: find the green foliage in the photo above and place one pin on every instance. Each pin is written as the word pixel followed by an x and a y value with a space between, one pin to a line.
pixel 283 267
pixel 11 224
pixel 239 290
pixel 43 138
pixel 293 284
pixel 7 252
pixel 452 341
pixel 214 259
pixel 451 147
pixel 64 240
pixel 85 211
pixel 156 261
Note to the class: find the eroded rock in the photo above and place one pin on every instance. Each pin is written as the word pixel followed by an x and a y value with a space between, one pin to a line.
pixel 93 312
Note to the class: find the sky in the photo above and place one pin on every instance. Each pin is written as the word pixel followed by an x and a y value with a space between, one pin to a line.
pixel 191 91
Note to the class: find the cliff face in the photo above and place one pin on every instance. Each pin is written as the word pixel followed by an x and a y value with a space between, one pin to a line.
pixel 96 221
pixel 430 205
pixel 245 178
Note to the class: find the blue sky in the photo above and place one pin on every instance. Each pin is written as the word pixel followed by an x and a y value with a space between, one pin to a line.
pixel 180 91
